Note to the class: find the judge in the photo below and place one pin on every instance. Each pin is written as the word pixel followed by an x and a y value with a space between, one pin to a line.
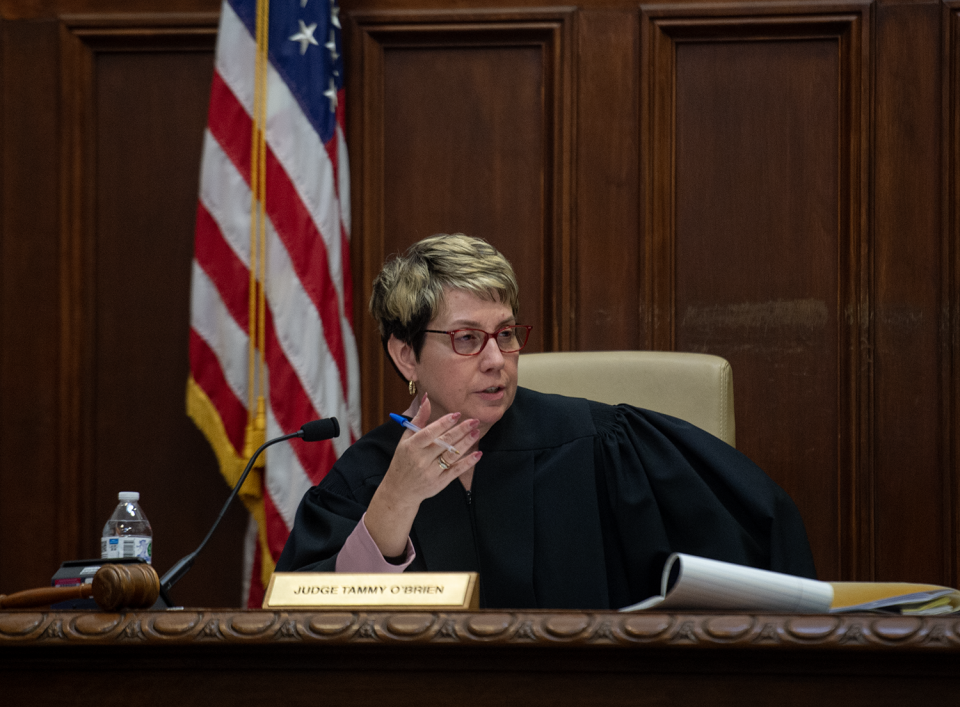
pixel 558 503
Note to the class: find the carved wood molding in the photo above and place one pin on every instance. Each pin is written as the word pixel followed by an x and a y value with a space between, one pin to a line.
pixel 144 31
pixel 535 628
pixel 664 28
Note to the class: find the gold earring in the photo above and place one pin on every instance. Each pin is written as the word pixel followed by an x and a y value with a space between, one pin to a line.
pixel 412 387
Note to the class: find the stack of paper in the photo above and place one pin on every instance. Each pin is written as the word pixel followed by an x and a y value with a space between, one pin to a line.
pixel 691 582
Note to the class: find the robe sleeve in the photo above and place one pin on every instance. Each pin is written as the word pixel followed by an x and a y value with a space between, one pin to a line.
pixel 666 486
pixel 330 511
pixel 361 554
pixel 325 519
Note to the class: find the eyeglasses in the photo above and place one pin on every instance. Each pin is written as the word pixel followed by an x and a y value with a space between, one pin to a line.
pixel 470 342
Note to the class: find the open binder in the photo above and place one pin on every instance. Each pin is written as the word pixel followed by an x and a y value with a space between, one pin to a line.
pixel 691 582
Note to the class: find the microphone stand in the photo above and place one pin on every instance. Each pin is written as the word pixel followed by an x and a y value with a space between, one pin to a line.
pixel 311 432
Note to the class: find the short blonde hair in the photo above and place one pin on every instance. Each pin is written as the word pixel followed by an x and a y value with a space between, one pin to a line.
pixel 408 292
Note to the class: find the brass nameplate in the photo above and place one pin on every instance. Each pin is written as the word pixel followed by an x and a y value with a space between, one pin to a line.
pixel 343 590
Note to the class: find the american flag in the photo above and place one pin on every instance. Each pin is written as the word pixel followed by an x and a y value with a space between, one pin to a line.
pixel 310 355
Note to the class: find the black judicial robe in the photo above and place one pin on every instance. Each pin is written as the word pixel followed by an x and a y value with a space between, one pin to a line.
pixel 574 505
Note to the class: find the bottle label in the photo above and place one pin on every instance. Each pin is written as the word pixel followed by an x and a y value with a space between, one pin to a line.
pixel 127 546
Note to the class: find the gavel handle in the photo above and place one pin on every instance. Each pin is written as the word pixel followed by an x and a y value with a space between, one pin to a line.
pixel 133 586
pixel 30 598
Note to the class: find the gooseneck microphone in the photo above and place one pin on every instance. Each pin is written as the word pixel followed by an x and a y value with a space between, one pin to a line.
pixel 310 432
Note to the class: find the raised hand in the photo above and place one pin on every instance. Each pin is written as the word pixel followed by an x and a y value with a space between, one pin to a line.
pixel 419 470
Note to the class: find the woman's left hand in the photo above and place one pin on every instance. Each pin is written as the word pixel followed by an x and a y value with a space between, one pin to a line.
pixel 420 469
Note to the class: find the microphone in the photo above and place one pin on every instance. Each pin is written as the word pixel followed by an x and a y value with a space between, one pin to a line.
pixel 320 429
pixel 314 431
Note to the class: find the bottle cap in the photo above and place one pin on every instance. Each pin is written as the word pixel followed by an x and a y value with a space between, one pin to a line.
pixel 129 496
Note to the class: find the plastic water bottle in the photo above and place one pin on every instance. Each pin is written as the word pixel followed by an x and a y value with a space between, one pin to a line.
pixel 128 532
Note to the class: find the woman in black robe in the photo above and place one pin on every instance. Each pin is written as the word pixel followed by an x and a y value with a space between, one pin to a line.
pixel 556 502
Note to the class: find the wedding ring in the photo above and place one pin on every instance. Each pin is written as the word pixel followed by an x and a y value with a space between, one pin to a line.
pixel 444 464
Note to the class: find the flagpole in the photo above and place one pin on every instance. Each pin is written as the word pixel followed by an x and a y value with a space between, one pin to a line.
pixel 256 411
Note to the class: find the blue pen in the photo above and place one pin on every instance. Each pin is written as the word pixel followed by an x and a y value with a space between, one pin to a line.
pixel 410 426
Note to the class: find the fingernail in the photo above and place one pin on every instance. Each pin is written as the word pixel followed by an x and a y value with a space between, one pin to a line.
pixel 477 455
pixel 474 434
pixel 454 416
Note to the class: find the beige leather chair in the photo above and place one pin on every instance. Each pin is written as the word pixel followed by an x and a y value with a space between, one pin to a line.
pixel 697 388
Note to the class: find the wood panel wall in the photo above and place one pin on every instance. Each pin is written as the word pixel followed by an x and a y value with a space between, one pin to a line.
pixel 776 183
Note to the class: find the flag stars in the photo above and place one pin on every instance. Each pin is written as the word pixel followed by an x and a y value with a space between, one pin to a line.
pixel 331 94
pixel 335 15
pixel 332 46
pixel 305 36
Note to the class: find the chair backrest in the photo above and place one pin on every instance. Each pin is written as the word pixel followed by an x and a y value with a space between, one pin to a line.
pixel 697 388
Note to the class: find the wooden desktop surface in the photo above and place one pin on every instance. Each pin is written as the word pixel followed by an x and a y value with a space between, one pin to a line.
pixel 236 657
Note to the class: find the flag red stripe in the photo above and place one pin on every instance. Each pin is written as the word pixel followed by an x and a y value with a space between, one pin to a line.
pixel 292 407
pixel 342 109
pixel 277 530
pixel 221 264
pixel 230 275
pixel 332 153
pixel 333 150
pixel 257 590
pixel 231 126
pixel 208 374
pixel 308 254
pixel 290 402
pixel 347 275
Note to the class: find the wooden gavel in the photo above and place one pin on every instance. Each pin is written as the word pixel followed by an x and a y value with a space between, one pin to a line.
pixel 134 586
